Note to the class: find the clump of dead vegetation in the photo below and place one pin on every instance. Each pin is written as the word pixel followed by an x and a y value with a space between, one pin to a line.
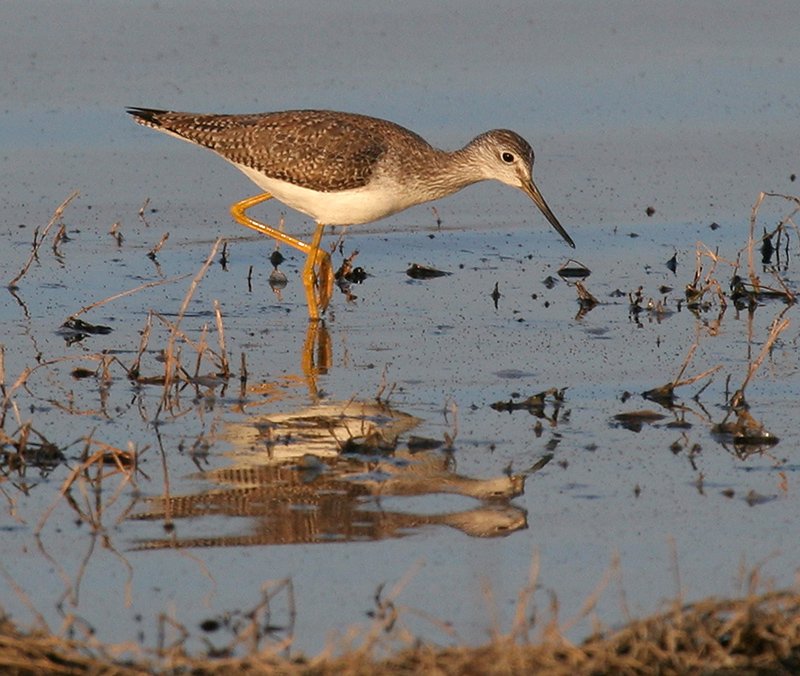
pixel 23 447
pixel 747 289
pixel 746 292
pixel 755 635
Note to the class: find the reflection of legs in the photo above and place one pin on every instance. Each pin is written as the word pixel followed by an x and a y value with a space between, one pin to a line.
pixel 316 358
pixel 317 271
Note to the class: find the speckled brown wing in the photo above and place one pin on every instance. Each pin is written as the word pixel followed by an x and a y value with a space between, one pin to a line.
pixel 313 149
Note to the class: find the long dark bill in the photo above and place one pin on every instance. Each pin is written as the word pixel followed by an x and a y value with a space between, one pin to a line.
pixel 533 192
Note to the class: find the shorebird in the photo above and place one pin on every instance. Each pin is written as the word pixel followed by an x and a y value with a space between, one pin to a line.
pixel 345 169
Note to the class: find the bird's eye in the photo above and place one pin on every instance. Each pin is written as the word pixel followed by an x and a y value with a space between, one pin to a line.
pixel 508 158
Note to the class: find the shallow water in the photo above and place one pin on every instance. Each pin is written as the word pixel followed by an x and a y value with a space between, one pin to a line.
pixel 695 129
pixel 248 508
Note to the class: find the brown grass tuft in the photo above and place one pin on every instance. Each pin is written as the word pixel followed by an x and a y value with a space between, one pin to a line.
pixel 749 636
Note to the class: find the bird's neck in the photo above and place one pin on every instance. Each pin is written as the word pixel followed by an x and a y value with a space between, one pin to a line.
pixel 448 172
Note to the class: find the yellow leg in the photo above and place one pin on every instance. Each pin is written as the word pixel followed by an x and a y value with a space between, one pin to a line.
pixel 318 276
pixel 317 272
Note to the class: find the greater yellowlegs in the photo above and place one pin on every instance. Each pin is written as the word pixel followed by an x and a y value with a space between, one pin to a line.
pixel 345 169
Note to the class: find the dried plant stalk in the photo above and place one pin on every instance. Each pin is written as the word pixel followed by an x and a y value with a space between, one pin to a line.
pixel 126 293
pixel 38 243
pixel 169 353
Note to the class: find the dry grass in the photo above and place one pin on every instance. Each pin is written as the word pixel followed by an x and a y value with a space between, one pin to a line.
pixel 755 635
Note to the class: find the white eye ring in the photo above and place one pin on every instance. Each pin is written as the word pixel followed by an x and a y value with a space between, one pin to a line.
pixel 507 157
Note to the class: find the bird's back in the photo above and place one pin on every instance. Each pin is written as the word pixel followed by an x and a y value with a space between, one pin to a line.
pixel 322 150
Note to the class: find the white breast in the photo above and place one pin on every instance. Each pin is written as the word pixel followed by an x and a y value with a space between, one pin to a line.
pixel 346 207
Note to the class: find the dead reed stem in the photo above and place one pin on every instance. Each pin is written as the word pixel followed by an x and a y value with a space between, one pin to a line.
pixel 126 293
pixel 223 352
pixel 135 369
pixel 521 624
pixel 753 240
pixel 591 602
pixel 21 380
pixel 386 615
pixel 774 333
pixel 152 253
pixel 99 458
pixel 169 353
pixel 38 242
pixel 200 347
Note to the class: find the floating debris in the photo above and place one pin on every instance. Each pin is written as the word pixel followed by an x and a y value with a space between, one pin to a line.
pixel 636 299
pixel 572 269
pixel 539 464
pixel 533 404
pixel 586 300
pixel 745 432
pixel 495 295
pixel 348 273
pixel 767 249
pixel 85 327
pixel 276 258
pixel 679 425
pixel 753 498
pixel 356 275
pixel 664 395
pixel 636 420
pixel 693 294
pixel 39 453
pixel 75 330
pixel 748 296
pixel 424 272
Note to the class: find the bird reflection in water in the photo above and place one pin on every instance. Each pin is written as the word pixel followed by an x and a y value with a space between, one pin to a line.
pixel 333 472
